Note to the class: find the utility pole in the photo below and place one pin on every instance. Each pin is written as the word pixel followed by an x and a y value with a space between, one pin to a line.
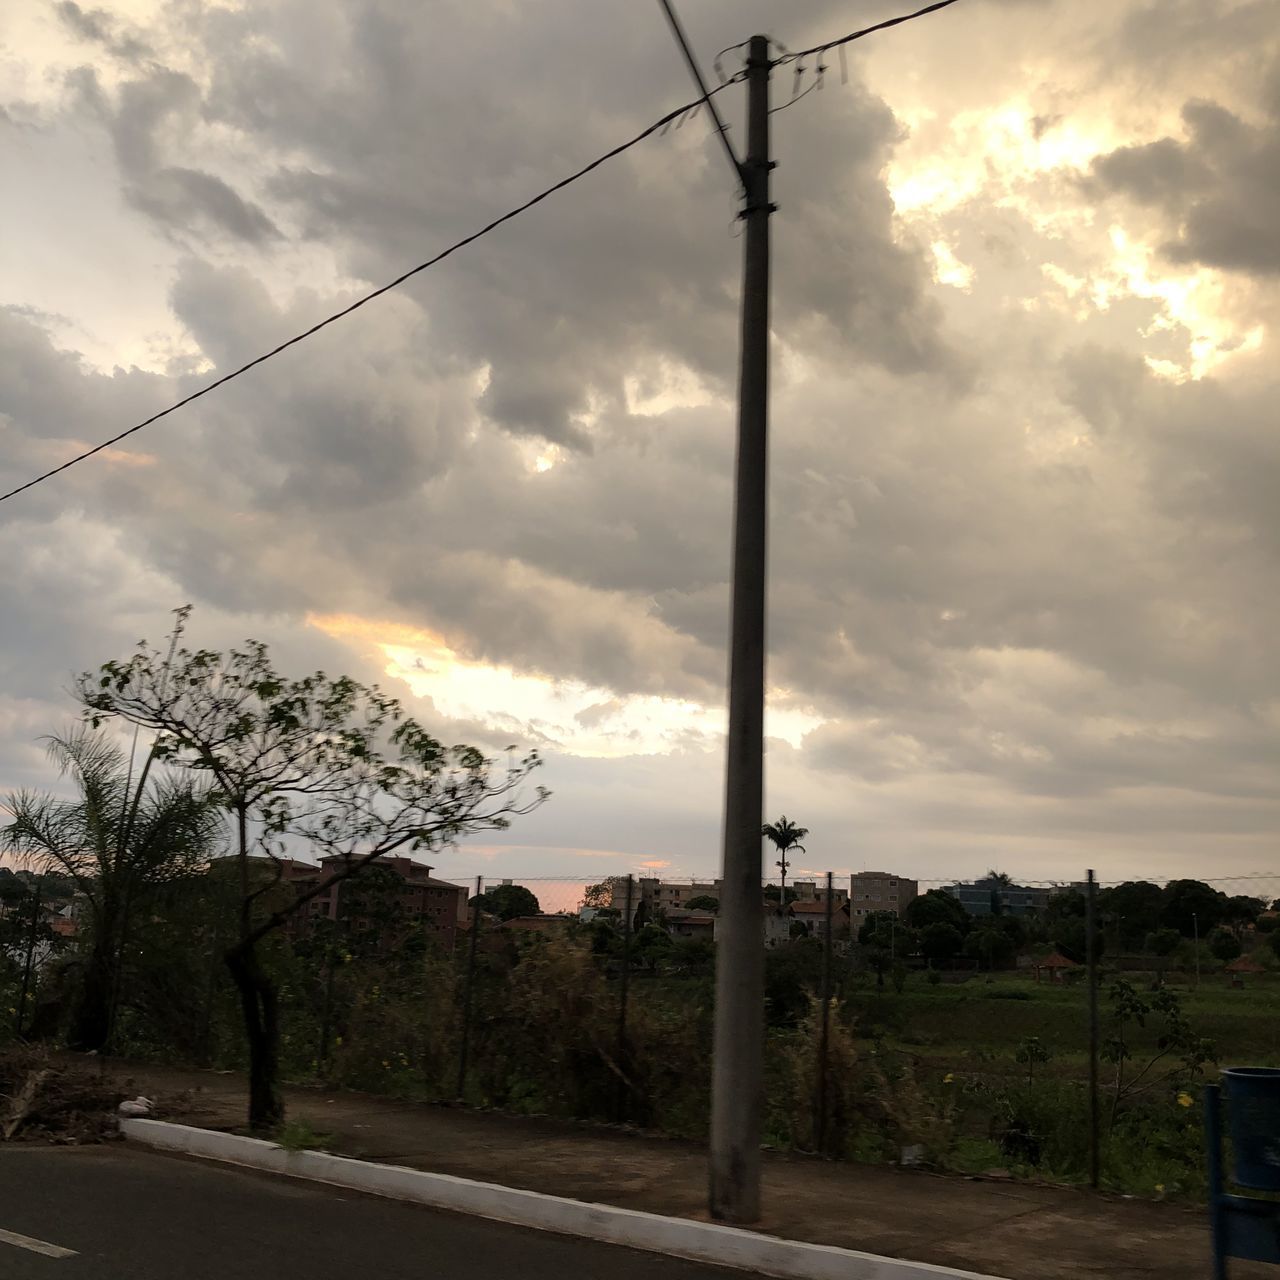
pixel 737 1084
pixel 1091 961
pixel 1195 928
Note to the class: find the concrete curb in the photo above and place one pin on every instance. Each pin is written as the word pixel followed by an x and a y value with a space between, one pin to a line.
pixel 680 1237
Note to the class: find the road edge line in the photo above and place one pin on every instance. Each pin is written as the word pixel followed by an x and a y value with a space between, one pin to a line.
pixel 707 1242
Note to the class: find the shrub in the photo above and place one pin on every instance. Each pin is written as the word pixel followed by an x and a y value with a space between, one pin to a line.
pixel 1029 1052
pixel 795 1100
pixel 1223 944
pixel 1163 942
pixel 913 1114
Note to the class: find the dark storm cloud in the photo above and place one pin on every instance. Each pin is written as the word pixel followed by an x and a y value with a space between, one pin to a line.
pixel 179 198
pixel 1219 188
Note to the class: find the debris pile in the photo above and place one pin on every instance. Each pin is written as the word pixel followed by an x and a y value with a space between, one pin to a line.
pixel 42 1100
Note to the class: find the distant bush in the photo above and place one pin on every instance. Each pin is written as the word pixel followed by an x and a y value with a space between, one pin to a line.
pixel 1223 944
pixel 1163 942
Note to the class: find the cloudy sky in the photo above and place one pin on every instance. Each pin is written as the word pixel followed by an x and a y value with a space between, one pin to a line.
pixel 1026 299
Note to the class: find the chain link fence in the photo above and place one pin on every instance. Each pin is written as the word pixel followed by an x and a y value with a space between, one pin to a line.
pixel 955 1024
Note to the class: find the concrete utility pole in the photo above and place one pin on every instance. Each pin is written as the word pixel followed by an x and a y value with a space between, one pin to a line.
pixel 737 1085
pixel 1091 961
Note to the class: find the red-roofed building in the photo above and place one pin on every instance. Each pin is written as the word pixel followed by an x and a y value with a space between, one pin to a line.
pixel 813 915
pixel 1055 965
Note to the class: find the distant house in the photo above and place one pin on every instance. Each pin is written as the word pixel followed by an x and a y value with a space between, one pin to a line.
pixel 813 915
pixel 777 926
pixel 880 891
pixel 991 896
pixel 1240 966
pixel 683 923
pixel 64 922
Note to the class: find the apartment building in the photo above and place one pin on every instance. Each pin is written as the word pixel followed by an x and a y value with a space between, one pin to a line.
pixel 441 906
pixel 664 895
pixel 880 891
pixel 994 896
pixel 816 891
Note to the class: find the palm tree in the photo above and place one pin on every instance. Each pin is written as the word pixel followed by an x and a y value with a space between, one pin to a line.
pixel 999 882
pixel 119 839
pixel 786 837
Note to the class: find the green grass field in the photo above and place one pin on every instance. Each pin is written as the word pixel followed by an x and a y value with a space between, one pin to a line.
pixel 979 1023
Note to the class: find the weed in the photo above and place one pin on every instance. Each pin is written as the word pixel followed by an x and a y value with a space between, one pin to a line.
pixel 298 1135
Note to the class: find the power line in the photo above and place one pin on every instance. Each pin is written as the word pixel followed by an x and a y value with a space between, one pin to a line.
pixel 676 30
pixel 377 293
pixel 657 125
pixel 791 102
pixel 866 31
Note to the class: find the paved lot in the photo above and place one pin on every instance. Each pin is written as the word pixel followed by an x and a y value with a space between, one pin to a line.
pixel 135 1215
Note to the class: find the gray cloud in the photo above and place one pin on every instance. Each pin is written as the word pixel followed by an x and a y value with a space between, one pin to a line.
pixel 100 27
pixel 1219 187
pixel 177 197
pixel 1025 582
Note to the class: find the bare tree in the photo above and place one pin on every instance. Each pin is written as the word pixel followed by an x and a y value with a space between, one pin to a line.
pixel 325 761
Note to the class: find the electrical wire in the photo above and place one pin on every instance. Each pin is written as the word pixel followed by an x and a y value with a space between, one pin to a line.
pixel 657 125
pixel 376 293
pixel 866 31
pixel 717 61
pixel 791 102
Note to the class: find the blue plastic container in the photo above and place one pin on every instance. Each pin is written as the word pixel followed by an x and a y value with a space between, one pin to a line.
pixel 1253 1120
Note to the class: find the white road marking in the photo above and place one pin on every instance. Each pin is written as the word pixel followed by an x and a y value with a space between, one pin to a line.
pixel 36 1246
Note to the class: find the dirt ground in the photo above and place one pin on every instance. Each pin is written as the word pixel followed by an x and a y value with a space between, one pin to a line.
pixel 993 1227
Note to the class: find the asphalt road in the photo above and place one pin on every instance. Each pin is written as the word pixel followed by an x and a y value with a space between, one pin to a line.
pixel 136 1215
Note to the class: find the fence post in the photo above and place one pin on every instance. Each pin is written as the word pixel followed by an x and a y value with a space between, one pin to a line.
pixel 828 943
pixel 1091 960
pixel 620 1106
pixel 210 992
pixel 468 989
pixel 326 1011
pixel 1213 1148
pixel 29 964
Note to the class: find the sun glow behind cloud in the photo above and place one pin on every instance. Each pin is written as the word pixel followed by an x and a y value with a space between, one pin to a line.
pixel 538 710
pixel 1009 157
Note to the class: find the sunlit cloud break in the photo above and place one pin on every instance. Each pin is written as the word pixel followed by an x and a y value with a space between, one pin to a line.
pixel 569 715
